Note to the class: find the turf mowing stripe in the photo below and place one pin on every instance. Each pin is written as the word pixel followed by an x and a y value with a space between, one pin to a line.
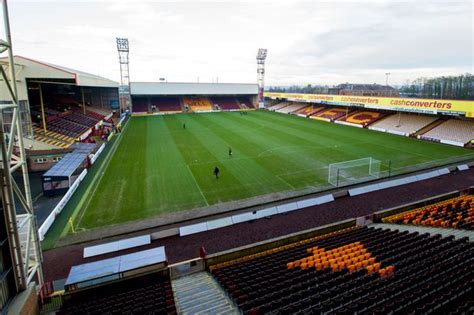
pixel 161 167
pixel 92 187
pixel 156 176
pixel 203 147
pixel 240 146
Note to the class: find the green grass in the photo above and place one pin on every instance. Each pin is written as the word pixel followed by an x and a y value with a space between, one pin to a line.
pixel 159 167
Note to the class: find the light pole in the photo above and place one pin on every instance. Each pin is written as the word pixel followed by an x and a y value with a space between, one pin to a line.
pixel 261 56
pixel 386 78
pixel 386 83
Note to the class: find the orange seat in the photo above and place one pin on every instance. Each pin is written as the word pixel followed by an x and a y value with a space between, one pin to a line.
pixel 377 266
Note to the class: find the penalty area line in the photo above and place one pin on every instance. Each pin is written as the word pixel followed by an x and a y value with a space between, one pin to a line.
pixel 197 185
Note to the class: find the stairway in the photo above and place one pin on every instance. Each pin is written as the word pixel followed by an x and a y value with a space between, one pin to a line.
pixel 428 127
pixel 426 229
pixel 53 138
pixel 199 293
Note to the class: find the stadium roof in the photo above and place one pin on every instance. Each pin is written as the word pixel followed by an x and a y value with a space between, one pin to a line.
pixel 114 266
pixel 71 161
pixel 67 165
pixel 175 88
pixel 33 69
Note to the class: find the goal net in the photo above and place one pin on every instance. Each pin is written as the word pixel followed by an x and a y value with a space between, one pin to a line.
pixel 353 171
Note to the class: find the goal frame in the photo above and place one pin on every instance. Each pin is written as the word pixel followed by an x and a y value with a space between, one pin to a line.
pixel 334 170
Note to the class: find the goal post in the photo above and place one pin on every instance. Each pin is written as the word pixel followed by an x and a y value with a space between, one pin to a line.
pixel 353 171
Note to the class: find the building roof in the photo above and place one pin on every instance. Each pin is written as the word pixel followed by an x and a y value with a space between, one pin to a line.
pixel 174 88
pixel 71 161
pixel 34 69
pixel 364 87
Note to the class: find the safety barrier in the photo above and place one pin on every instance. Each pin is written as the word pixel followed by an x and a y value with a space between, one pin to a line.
pixel 60 206
pixel 96 155
pixel 253 215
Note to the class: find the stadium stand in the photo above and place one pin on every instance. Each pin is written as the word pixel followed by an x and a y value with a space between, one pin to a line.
pixel 245 102
pixel 97 114
pixel 454 130
pixel 225 103
pixel 150 294
pixel 356 270
pixel 309 110
pixel 72 123
pixel 455 213
pixel 198 104
pixel 403 124
pixel 279 106
pixel 330 114
pixel 362 118
pixel 166 104
pixel 140 105
pixel 291 108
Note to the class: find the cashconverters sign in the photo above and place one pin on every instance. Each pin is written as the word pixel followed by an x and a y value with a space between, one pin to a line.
pixel 418 105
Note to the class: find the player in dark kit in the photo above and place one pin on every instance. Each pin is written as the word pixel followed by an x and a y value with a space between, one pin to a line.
pixel 216 172
pixel 230 151
pixel 184 126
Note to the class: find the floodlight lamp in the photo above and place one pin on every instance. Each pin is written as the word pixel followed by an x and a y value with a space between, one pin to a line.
pixel 122 44
pixel 262 54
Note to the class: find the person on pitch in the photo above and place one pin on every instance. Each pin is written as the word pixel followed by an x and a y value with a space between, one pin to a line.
pixel 216 172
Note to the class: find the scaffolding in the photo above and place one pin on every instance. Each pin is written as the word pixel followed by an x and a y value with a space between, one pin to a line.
pixel 21 228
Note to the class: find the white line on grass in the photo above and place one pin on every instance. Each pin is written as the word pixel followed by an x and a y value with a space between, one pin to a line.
pixel 284 181
pixel 197 185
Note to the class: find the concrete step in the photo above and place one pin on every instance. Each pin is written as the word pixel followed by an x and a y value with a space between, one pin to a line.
pixel 199 293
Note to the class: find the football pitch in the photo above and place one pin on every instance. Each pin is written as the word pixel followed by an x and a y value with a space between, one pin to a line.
pixel 161 167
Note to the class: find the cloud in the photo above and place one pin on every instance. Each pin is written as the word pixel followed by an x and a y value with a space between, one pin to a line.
pixel 318 42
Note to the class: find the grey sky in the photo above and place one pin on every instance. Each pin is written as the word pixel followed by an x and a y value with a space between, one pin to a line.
pixel 318 42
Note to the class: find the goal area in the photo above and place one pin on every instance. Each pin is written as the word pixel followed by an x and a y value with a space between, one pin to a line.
pixel 353 171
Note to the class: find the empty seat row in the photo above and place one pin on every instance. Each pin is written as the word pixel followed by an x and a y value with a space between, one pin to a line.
pixel 419 272
pixel 456 130
pixel 455 213
pixel 150 294
pixel 404 123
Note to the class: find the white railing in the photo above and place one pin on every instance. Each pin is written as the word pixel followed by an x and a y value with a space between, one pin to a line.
pixel 96 155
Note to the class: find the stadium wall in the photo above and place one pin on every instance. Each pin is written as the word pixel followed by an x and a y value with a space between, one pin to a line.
pixel 423 106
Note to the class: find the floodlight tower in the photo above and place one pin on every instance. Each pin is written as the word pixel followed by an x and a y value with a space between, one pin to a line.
pixel 124 89
pixel 261 56
pixel 21 229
